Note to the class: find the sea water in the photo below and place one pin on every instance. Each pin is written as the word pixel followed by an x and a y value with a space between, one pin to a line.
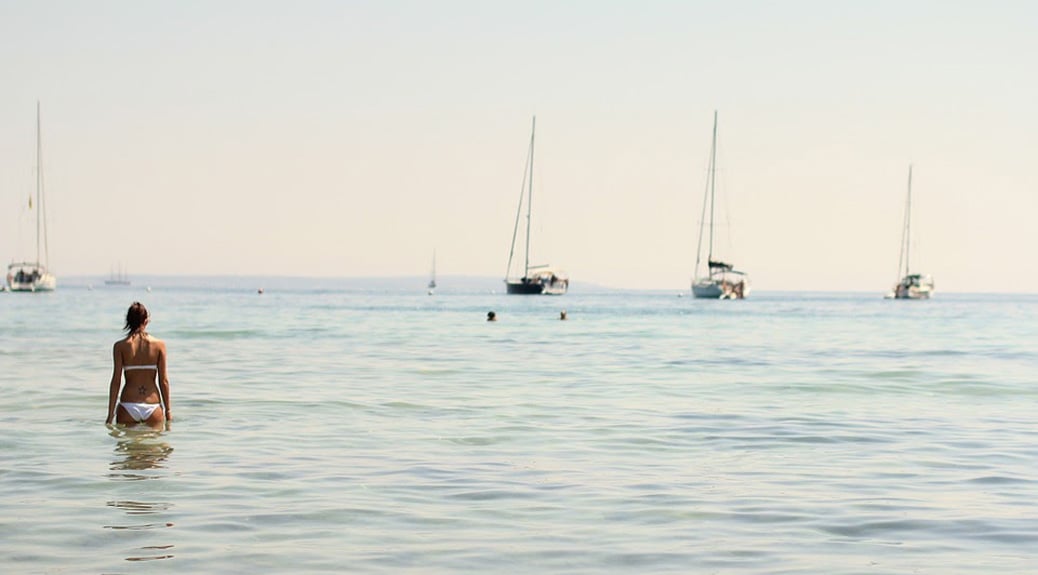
pixel 333 429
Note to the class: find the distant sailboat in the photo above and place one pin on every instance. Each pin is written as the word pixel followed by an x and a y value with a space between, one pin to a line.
pixel 432 275
pixel 118 278
pixel 721 281
pixel 536 280
pixel 33 276
pixel 911 285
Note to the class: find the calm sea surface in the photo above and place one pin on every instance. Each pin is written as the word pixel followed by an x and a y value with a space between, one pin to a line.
pixel 386 431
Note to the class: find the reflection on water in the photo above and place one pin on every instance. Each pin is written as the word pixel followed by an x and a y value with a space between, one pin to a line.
pixel 141 453
pixel 139 507
pixel 138 449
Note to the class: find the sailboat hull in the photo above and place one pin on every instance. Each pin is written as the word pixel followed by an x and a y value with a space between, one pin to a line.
pixel 912 295
pixel 727 284
pixel 915 286
pixel 707 290
pixel 30 278
pixel 523 288
pixel 519 287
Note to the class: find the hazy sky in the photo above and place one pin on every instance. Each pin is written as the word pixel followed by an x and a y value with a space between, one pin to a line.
pixel 345 138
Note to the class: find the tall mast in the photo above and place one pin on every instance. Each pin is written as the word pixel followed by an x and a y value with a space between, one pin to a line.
pixel 518 215
pixel 908 223
pixel 529 200
pixel 39 184
pixel 708 198
pixel 906 231
pixel 529 196
pixel 713 179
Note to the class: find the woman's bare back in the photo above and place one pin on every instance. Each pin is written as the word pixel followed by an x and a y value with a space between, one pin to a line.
pixel 142 358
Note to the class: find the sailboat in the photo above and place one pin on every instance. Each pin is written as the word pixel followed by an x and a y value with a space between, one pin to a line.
pixel 432 275
pixel 538 279
pixel 33 276
pixel 722 280
pixel 911 285
pixel 118 278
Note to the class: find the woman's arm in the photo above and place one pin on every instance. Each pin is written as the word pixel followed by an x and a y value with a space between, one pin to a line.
pixel 113 386
pixel 164 382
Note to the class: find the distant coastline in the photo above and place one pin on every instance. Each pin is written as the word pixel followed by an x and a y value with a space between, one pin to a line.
pixel 460 284
pixel 394 284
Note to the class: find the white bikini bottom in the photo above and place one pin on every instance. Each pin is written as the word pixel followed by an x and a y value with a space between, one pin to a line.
pixel 140 412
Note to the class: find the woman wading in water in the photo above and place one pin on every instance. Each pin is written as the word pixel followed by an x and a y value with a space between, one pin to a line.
pixel 141 359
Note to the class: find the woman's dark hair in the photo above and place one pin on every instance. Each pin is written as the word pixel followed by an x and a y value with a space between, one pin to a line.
pixel 135 317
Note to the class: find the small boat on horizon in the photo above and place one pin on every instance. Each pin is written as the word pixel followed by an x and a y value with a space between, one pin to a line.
pixel 33 276
pixel 537 279
pixel 117 278
pixel 911 285
pixel 432 276
pixel 722 280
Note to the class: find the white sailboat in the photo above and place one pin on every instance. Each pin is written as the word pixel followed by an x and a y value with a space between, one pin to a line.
pixel 539 279
pixel 432 275
pixel 33 276
pixel 722 280
pixel 911 285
